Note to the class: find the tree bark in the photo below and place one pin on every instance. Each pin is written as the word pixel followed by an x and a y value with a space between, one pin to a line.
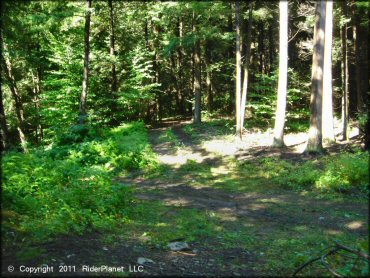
pixel 17 99
pixel 314 143
pixel 4 127
pixel 112 48
pixel 197 78
pixel 207 62
pixel 246 70
pixel 238 71
pixel 327 106
pixel 345 75
pixel 83 113
pixel 283 76
pixel 181 92
pixel 229 85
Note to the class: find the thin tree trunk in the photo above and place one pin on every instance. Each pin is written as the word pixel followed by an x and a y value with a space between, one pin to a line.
pixel 17 99
pixel 179 67
pixel 197 76
pixel 261 47
pixel 345 75
pixel 112 48
pixel 283 76
pixel 327 105
pixel 238 71
pixel 4 127
pixel 207 62
pixel 314 143
pixel 83 113
pixel 229 85
pixel 246 70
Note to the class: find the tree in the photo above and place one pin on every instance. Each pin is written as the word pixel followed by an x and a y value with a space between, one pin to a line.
pixel 238 77
pixel 327 106
pixel 246 69
pixel 16 97
pixel 314 143
pixel 283 76
pixel 83 99
pixel 197 76
pixel 345 74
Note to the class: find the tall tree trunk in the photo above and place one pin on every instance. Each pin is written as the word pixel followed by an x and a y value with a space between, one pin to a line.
pixel 271 47
pixel 246 70
pixel 314 143
pixel 197 78
pixel 238 71
pixel 261 47
pixel 83 114
pixel 17 99
pixel 229 85
pixel 345 75
pixel 4 127
pixel 327 105
pixel 283 76
pixel 112 49
pixel 181 92
pixel 207 61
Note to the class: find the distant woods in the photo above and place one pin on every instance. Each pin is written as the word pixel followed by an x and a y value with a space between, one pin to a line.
pixel 291 66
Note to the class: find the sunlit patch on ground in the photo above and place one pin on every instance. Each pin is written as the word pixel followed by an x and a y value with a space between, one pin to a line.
pixel 354 225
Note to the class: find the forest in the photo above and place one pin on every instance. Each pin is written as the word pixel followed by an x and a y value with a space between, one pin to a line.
pixel 185 138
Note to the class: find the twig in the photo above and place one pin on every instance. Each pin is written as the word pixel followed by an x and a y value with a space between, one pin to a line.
pixel 360 254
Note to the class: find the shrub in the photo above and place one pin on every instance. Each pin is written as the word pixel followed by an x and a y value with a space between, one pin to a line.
pixel 348 171
pixel 69 188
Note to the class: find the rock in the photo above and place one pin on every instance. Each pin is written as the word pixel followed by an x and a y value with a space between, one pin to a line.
pixel 70 256
pixel 178 246
pixel 321 218
pixel 105 248
pixel 143 261
pixel 195 251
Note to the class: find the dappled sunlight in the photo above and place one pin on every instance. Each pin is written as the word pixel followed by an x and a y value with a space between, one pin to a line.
pixel 354 225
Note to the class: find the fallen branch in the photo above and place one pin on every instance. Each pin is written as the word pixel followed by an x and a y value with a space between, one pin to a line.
pixel 337 247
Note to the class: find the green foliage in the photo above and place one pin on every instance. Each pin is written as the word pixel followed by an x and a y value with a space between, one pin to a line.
pixel 342 173
pixel 68 188
pixel 346 172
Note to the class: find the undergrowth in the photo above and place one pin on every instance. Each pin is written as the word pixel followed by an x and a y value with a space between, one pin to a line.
pixel 68 188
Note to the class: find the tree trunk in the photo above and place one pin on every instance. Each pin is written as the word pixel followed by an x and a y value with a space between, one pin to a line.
pixel 4 127
pixel 197 78
pixel 238 71
pixel 83 114
pixel 283 76
pixel 112 50
pixel 327 105
pixel 246 70
pixel 229 85
pixel 17 99
pixel 207 62
pixel 181 92
pixel 314 143
pixel 345 75
pixel 261 47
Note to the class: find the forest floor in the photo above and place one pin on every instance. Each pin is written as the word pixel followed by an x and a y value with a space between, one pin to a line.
pixel 234 222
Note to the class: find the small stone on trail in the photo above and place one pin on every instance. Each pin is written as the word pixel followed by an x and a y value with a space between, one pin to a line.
pixel 143 261
pixel 178 246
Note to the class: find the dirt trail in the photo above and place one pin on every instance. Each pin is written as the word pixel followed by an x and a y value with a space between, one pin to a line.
pixel 255 207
